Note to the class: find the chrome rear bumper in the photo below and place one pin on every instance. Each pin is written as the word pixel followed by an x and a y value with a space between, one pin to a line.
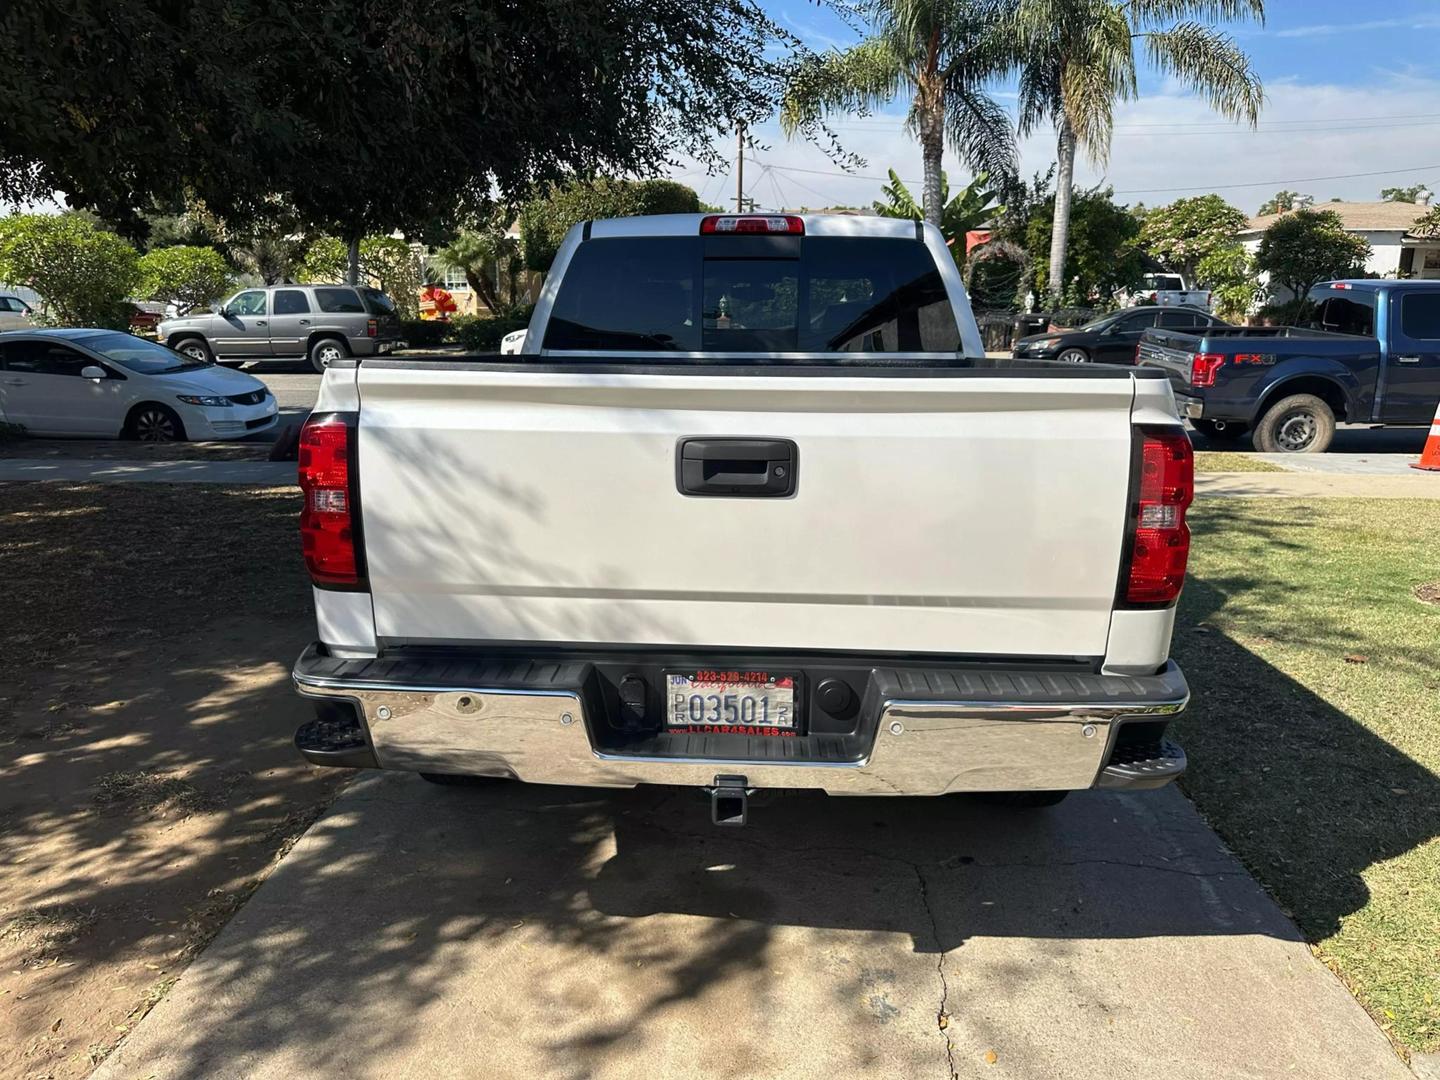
pixel 416 719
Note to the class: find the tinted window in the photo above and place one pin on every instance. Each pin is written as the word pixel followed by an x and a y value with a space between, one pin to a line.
pixel 1420 315
pixel 1181 320
pixel 628 294
pixel 339 301
pixel 379 303
pixel 1143 321
pixel 9 303
pixel 44 358
pixel 1353 314
pixel 819 294
pixel 291 302
pixel 247 303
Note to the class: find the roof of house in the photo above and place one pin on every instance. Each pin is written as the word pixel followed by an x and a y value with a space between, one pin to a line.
pixel 1360 216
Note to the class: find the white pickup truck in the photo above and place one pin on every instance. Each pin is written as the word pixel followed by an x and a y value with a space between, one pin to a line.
pixel 752 510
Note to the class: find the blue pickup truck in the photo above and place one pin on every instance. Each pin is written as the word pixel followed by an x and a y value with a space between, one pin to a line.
pixel 1368 353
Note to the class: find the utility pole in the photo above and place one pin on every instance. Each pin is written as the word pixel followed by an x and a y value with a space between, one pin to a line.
pixel 740 168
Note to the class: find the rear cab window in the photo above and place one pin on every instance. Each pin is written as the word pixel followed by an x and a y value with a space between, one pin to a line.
pixel 337 301
pixel 377 302
pixel 753 294
pixel 1349 312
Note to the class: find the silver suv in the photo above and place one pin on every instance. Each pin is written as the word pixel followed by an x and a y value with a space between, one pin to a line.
pixel 318 323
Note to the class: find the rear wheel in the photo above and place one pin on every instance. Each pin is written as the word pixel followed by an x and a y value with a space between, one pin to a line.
pixel 153 422
pixel 1298 424
pixel 1073 356
pixel 195 348
pixel 1023 800
pixel 326 351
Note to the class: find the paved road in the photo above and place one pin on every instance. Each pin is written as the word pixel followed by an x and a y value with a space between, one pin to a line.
pixel 524 932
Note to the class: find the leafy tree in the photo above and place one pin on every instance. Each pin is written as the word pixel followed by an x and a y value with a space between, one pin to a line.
pixel 969 209
pixel 1077 59
pixel 386 262
pixel 1184 233
pixel 368 116
pixel 1403 194
pixel 1280 202
pixel 271 245
pixel 1102 257
pixel 1427 224
pixel 1229 273
pixel 931 50
pixel 83 273
pixel 487 256
pixel 1306 247
pixel 545 219
pixel 190 276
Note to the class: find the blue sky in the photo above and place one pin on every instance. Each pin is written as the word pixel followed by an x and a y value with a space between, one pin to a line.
pixel 1351 88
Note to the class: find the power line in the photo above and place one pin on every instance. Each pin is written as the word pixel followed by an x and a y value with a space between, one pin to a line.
pixel 1145 191
pixel 1267 183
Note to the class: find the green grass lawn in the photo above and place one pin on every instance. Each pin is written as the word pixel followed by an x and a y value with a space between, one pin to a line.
pixel 1314 734
pixel 1208 461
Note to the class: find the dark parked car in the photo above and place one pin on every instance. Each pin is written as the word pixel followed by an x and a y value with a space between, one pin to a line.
pixel 1369 353
pixel 1110 339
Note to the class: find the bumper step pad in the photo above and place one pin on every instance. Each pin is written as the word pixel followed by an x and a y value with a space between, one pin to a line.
pixel 1143 765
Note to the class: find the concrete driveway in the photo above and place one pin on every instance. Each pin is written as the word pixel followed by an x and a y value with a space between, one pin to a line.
pixel 511 931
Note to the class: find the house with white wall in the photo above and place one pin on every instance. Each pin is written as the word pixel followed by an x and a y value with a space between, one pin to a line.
pixel 1394 250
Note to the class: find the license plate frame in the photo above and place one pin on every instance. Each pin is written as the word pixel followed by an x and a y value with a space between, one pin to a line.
pixel 733 701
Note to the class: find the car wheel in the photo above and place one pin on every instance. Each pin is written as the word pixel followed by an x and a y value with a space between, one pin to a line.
pixel 152 422
pixel 1073 356
pixel 195 348
pixel 1298 424
pixel 1023 800
pixel 326 351
pixel 1231 432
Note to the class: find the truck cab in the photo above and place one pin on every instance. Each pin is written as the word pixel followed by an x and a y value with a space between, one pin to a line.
pixel 1367 351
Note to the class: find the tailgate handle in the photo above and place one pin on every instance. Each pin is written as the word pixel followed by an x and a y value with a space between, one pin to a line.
pixel 736 467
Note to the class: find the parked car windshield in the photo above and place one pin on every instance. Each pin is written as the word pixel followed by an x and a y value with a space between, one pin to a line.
pixel 138 355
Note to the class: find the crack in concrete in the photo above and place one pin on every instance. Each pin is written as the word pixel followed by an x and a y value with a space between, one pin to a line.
pixel 942 1015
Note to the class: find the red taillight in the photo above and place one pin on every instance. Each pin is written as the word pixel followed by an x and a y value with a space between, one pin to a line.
pixel 326 526
pixel 752 223
pixel 1160 546
pixel 1203 366
pixel 372 328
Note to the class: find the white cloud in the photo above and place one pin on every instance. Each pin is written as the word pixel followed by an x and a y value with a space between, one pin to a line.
pixel 1164 141
pixel 1414 22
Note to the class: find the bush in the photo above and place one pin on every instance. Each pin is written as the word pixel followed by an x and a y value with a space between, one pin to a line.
pixel 191 276
pixel 83 274
pixel 1290 313
pixel 482 334
pixel 426 333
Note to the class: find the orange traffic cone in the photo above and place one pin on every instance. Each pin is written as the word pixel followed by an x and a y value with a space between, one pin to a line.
pixel 1430 456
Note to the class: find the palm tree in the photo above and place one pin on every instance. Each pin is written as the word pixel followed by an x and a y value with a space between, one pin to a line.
pixel 970 208
pixel 933 50
pixel 1077 59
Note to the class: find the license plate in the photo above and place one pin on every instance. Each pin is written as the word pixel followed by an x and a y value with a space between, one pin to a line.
pixel 730 702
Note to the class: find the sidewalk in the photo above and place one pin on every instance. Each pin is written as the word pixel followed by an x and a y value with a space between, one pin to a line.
pixel 81 471
pixel 532 932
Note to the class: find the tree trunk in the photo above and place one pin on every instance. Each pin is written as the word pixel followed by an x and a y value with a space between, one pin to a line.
pixel 932 147
pixel 480 286
pixel 1060 227
pixel 352 262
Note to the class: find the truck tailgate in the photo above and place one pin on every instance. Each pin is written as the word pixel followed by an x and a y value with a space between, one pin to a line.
pixel 973 513
pixel 1173 352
